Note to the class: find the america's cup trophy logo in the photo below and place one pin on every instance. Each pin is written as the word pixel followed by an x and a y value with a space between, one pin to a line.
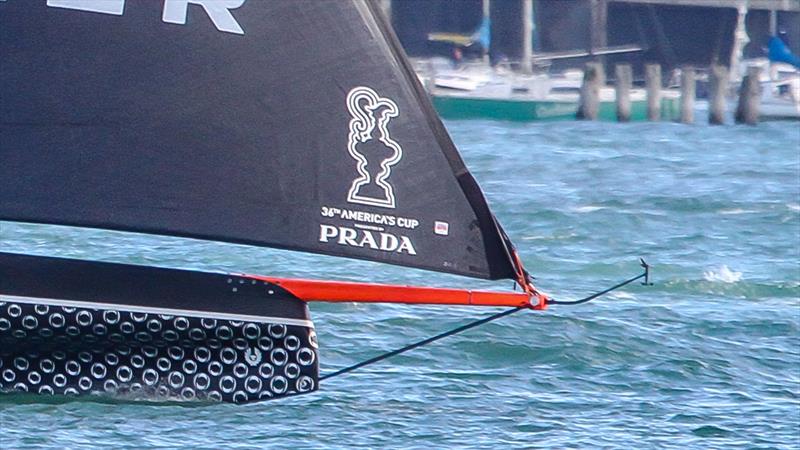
pixel 372 147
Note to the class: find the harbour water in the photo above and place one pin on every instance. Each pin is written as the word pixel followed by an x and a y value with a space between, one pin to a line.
pixel 707 357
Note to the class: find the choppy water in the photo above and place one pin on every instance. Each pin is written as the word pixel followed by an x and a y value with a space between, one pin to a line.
pixel 709 357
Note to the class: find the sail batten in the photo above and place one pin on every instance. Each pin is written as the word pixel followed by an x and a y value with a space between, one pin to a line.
pixel 307 131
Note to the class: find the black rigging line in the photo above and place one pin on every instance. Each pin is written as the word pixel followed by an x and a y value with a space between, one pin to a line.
pixel 474 324
pixel 508 312
pixel 645 275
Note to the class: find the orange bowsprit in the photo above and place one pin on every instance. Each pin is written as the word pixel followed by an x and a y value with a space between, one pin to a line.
pixel 343 291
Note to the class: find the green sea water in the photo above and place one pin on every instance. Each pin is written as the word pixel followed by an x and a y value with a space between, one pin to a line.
pixel 707 357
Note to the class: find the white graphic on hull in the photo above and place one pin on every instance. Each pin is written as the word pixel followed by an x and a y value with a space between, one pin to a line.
pixel 371 113
pixel 253 356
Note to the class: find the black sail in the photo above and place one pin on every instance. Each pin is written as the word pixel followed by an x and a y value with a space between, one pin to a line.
pixel 296 125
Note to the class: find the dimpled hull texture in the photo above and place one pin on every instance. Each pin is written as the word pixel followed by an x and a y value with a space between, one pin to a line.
pixel 70 346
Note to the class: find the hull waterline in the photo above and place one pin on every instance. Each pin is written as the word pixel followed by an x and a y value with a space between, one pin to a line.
pixel 75 327
pixel 97 334
pixel 465 107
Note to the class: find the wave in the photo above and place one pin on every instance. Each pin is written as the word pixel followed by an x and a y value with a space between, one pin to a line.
pixel 587 208
pixel 723 274
pixel 736 211
pixel 739 290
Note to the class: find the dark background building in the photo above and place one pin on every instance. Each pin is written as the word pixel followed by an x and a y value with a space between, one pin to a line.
pixel 672 33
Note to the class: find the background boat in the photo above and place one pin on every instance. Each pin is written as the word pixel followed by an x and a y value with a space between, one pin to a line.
pixel 780 91
pixel 476 90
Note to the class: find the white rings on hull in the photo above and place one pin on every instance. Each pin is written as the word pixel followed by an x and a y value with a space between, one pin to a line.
pixel 63 347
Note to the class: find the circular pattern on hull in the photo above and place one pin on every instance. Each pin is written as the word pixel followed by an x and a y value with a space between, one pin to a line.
pixel 55 350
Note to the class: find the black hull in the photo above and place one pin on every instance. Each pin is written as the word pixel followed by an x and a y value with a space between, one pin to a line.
pixel 125 347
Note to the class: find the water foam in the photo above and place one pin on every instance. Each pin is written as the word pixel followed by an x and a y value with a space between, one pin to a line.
pixel 723 274
pixel 736 211
pixel 587 209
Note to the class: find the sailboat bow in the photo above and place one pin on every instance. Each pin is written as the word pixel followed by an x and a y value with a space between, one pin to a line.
pixel 235 122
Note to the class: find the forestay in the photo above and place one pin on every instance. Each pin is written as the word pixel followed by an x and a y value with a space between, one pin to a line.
pixel 296 125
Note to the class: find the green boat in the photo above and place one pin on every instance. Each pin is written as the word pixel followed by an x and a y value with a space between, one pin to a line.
pixel 556 107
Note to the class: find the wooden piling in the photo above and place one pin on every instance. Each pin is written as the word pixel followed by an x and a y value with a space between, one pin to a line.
pixel 487 14
pixel 624 76
pixel 598 32
pixel 593 80
pixel 430 80
pixel 773 22
pixel 749 97
pixel 653 84
pixel 527 37
pixel 687 95
pixel 718 86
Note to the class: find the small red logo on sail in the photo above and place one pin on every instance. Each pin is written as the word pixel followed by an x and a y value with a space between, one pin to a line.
pixel 441 228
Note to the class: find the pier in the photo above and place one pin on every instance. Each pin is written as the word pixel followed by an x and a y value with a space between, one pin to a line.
pixel 673 55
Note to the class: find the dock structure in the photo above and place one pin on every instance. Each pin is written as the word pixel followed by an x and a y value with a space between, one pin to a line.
pixel 561 35
pixel 653 85
pixel 688 88
pixel 749 97
pixel 669 43
pixel 769 5
pixel 653 38
pixel 624 80
pixel 593 80
pixel 527 36
pixel 718 87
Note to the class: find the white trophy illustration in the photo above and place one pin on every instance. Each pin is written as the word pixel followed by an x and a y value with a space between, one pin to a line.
pixel 372 147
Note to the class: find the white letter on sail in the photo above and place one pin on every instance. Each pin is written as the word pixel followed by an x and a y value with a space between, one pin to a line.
pixel 368 240
pixel 405 244
pixel 388 242
pixel 99 6
pixel 327 231
pixel 217 10
pixel 347 236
